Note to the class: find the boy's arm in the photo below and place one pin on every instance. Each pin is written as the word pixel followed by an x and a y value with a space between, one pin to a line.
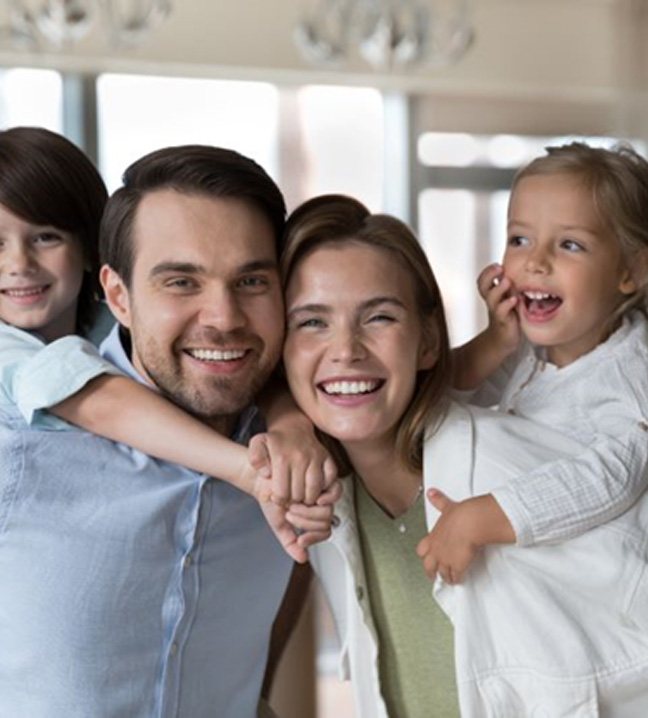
pixel 302 469
pixel 479 358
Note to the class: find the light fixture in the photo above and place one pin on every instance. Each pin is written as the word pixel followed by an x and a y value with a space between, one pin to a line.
pixel 38 24
pixel 387 34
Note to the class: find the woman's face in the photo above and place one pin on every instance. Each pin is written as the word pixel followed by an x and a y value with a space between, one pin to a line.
pixel 354 342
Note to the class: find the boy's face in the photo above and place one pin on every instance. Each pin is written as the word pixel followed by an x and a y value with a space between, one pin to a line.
pixel 565 265
pixel 204 307
pixel 41 271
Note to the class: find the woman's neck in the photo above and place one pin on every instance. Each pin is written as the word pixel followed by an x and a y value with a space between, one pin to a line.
pixel 387 480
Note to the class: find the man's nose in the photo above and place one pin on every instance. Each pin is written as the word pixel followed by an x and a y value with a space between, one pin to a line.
pixel 222 311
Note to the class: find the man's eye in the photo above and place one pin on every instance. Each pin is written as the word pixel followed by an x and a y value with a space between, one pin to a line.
pixel 254 282
pixel 180 283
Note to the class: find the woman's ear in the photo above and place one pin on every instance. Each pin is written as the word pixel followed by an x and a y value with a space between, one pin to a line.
pixel 117 295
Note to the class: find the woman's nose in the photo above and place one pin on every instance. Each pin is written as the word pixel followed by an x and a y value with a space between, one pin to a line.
pixel 348 346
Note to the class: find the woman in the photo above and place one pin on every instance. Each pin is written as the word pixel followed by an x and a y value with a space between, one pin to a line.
pixel 550 630
pixel 367 357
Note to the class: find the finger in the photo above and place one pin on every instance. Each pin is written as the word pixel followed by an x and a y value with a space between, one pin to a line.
pixel 439 500
pixel 307 517
pixel 280 481
pixel 258 455
pixel 290 543
pixel 487 278
pixel 310 538
pixel 446 574
pixel 330 471
pixel 422 547
pixel 331 495
pixel 297 475
pixel 314 481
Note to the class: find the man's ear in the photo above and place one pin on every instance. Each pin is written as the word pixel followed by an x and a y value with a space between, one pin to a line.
pixel 117 295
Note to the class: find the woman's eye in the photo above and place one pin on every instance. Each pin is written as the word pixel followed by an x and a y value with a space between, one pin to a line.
pixel 382 318
pixel 312 323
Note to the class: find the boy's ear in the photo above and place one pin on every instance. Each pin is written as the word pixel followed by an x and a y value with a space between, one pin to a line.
pixel 117 295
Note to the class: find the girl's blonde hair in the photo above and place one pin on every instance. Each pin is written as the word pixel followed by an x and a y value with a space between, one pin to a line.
pixel 339 220
pixel 617 180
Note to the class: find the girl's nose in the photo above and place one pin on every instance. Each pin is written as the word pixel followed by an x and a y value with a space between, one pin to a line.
pixel 538 261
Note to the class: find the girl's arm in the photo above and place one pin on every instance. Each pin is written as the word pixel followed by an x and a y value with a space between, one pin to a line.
pixel 478 359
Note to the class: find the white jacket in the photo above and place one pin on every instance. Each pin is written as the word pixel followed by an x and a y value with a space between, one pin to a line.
pixel 542 632
pixel 554 630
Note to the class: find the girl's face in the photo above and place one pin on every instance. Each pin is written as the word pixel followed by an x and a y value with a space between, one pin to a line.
pixel 41 271
pixel 354 342
pixel 566 267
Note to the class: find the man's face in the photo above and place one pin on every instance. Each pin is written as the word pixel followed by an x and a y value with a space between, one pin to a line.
pixel 204 308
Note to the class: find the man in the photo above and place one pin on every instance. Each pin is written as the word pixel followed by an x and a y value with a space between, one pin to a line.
pixel 140 588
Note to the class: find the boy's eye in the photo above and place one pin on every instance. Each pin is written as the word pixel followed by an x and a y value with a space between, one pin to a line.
pixel 47 238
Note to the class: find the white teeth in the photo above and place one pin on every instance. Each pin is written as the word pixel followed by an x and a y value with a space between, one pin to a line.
pixel 23 292
pixel 216 355
pixel 539 295
pixel 350 387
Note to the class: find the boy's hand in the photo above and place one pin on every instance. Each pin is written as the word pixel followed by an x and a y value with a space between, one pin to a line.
pixel 297 467
pixel 460 532
pixel 497 291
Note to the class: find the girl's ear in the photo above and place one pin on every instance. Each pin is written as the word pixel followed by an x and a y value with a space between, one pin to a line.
pixel 428 350
pixel 633 277
pixel 627 285
pixel 117 295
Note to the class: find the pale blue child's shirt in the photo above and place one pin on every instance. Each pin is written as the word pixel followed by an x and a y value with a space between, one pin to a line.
pixel 35 375
pixel 132 588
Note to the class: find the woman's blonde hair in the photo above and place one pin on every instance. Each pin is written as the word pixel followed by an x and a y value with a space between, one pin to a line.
pixel 617 180
pixel 338 220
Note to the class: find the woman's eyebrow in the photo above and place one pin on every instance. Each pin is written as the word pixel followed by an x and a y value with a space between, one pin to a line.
pixel 315 308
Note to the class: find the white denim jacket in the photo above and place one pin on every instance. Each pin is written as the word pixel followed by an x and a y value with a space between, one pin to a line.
pixel 555 630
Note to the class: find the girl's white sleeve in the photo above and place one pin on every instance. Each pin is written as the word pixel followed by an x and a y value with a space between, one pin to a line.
pixel 35 376
pixel 567 497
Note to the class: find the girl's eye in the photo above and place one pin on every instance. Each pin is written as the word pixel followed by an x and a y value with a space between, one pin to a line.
pixel 571 245
pixel 518 241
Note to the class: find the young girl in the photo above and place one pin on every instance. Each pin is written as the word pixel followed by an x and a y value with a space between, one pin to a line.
pixel 51 201
pixel 574 286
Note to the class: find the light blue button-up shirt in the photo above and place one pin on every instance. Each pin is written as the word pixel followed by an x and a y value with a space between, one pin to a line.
pixel 130 587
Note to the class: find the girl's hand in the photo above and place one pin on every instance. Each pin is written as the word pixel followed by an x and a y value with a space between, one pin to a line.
pixel 296 466
pixel 497 291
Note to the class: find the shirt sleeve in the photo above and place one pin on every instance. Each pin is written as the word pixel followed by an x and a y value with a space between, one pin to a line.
pixel 567 497
pixel 489 393
pixel 35 376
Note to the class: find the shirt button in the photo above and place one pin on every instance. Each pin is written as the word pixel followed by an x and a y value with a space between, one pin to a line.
pixel 335 521
pixel 173 648
pixel 187 561
pixel 359 593
pixel 643 425
pixel 511 412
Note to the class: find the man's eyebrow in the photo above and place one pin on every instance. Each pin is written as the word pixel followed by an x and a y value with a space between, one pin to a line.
pixel 258 265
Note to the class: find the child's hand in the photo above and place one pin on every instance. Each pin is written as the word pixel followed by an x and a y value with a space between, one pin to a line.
pixel 296 466
pixel 449 548
pixel 284 531
pixel 497 291
pixel 312 524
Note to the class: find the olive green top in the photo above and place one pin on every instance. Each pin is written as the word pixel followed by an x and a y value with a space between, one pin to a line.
pixel 415 651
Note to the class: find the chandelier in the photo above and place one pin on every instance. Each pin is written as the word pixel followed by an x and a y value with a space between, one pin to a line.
pixel 387 34
pixel 39 24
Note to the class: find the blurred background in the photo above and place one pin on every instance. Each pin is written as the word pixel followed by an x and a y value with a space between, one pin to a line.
pixel 420 108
